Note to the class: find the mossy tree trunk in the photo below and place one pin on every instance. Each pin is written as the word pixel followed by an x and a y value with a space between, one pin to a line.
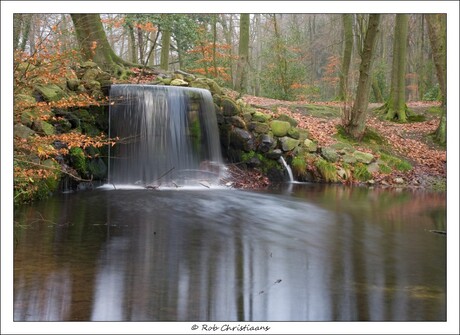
pixel 396 105
pixel 243 54
pixel 437 32
pixel 165 43
pixel 347 20
pixel 94 44
pixel 132 50
pixel 356 124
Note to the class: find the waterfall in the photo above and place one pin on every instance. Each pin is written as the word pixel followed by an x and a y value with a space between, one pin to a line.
pixel 288 169
pixel 167 135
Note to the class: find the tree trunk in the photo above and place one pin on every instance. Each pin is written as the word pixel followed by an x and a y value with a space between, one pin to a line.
pixel 214 44
pixel 165 42
pixel 94 45
pixel 437 32
pixel 376 90
pixel 347 20
pixel 356 125
pixel 17 26
pixel 131 43
pixel 396 107
pixel 140 44
pixel 243 53
pixel 258 55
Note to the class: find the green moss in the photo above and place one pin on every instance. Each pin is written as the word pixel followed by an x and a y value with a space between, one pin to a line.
pixel 78 160
pixel 370 136
pixel 327 170
pixel 287 118
pixel 437 110
pixel 361 173
pixel 416 118
pixel 299 166
pixel 384 168
pixel 280 128
pixel 265 164
pixel 247 156
pixel 395 162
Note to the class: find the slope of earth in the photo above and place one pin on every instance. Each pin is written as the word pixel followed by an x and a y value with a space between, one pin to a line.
pixel 411 141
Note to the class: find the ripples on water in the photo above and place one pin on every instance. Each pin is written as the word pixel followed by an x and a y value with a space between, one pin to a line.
pixel 310 254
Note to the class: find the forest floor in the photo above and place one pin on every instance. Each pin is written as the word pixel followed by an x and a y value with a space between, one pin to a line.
pixel 412 141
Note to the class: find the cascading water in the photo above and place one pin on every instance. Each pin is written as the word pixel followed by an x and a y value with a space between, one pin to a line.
pixel 167 135
pixel 288 169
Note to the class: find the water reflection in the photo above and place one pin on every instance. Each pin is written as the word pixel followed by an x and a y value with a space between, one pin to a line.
pixel 315 254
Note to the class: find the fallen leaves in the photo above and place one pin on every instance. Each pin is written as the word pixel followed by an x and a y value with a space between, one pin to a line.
pixel 410 140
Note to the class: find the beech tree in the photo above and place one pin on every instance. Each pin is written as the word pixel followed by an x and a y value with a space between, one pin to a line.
pixel 243 54
pixel 347 20
pixel 94 44
pixel 437 32
pixel 355 120
pixel 396 106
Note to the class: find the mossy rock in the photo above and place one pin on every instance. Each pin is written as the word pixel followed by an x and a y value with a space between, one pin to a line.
pixel 259 127
pixel 92 85
pixel 178 76
pixel 88 65
pixel 22 131
pixel 266 143
pixel 303 134
pixel 288 144
pixel 280 128
pixel 85 115
pixel 211 85
pixel 245 108
pixel 310 145
pixel 91 74
pixel 78 160
pixel 343 148
pixel 43 127
pixel 330 154
pixel 201 84
pixel 260 117
pixel 50 92
pixel 229 107
pixel 25 99
pixel 89 129
pixel 294 133
pixel 241 139
pixel 62 125
pixel 178 82
pixel 247 117
pixel 72 84
pixel 349 159
pixel 237 121
pixel 373 167
pixel 215 97
pixel 287 118
pixel 363 157
pixel 97 168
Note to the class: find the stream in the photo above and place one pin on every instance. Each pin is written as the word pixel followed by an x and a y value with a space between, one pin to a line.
pixel 299 252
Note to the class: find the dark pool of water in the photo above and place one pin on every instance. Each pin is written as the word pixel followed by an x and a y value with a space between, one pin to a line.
pixel 307 253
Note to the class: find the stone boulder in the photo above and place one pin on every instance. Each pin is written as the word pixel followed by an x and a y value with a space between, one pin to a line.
pixel 288 144
pixel 280 128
